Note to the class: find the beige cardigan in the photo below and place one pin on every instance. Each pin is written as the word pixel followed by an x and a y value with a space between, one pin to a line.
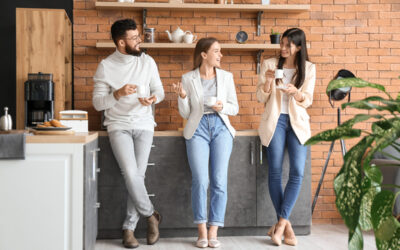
pixel 299 119
pixel 192 108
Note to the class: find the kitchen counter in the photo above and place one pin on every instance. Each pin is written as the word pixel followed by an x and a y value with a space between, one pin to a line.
pixel 54 189
pixel 76 138
pixel 180 133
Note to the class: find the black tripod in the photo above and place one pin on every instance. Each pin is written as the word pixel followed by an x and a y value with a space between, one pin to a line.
pixel 343 146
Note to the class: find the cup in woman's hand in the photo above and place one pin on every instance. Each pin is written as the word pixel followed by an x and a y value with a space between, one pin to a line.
pixel 278 73
pixel 141 91
pixel 211 100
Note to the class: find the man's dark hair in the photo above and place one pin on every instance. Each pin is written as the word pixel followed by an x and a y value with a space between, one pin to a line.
pixel 119 28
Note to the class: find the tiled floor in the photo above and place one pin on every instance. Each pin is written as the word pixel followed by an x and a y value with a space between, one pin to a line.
pixel 324 237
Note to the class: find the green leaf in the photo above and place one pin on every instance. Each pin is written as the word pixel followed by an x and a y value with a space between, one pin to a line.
pixel 356 241
pixel 366 204
pixel 359 118
pixel 386 227
pixel 338 182
pixel 374 173
pixel 393 244
pixel 352 82
pixel 386 138
pixel 340 132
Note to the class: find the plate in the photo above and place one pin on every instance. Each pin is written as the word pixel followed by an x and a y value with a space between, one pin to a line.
pixel 241 37
pixel 52 129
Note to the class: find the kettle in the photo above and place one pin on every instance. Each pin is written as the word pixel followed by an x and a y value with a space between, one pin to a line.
pixel 176 36
pixel 6 121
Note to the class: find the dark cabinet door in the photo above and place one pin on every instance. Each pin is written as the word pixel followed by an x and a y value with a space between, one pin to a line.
pixel 241 209
pixel 301 213
pixel 90 194
pixel 112 192
pixel 168 182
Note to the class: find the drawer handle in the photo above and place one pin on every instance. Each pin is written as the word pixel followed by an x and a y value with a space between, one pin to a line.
pixel 98 170
pixel 153 146
pixel 151 195
pixel 97 205
pixel 151 164
pixel 95 150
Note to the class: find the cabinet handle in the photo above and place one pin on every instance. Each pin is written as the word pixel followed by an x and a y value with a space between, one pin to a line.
pixel 261 154
pixel 151 164
pixel 94 171
pixel 153 146
pixel 251 153
pixel 151 195
pixel 98 170
pixel 97 205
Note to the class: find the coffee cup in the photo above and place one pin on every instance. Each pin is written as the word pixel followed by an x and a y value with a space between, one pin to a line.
pixel 278 73
pixel 189 37
pixel 211 100
pixel 141 91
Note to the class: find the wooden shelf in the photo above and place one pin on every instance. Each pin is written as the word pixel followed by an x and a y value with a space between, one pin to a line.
pixel 278 8
pixel 230 46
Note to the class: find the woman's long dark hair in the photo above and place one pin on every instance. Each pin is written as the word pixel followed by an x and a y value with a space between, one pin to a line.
pixel 298 38
pixel 203 45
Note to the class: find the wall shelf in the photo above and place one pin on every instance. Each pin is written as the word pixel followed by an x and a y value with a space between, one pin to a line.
pixel 256 8
pixel 277 8
pixel 230 46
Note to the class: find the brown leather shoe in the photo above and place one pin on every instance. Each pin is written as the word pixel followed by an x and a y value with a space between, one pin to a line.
pixel 153 233
pixel 129 240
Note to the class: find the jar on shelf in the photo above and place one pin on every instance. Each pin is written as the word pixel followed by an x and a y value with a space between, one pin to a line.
pixel 149 35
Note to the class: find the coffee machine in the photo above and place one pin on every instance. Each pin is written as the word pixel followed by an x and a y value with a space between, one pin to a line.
pixel 39 99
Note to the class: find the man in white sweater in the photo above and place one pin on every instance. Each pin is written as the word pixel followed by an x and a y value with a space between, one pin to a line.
pixel 129 120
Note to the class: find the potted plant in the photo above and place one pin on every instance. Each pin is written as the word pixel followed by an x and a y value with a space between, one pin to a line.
pixel 361 198
pixel 275 37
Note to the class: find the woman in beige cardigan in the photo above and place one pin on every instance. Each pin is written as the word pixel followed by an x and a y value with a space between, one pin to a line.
pixel 285 123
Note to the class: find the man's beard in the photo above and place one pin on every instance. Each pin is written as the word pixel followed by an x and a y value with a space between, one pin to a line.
pixel 132 51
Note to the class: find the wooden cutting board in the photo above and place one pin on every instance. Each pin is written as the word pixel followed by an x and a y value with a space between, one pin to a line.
pixel 54 132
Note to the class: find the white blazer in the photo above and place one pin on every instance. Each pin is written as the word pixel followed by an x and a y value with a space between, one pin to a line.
pixel 192 108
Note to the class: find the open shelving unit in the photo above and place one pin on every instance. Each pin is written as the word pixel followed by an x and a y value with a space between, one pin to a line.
pixel 255 8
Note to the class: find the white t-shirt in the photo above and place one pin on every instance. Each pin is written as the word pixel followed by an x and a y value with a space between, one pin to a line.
pixel 287 78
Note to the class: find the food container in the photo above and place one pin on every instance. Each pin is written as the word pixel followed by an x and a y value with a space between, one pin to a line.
pixel 76 119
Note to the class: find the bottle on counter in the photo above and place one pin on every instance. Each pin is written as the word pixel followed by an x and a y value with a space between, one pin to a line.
pixel 6 121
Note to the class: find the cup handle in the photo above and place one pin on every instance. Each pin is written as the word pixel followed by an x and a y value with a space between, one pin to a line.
pixel 194 38
pixel 188 32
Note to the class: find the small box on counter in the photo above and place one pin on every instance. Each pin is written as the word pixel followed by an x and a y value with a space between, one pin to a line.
pixel 76 119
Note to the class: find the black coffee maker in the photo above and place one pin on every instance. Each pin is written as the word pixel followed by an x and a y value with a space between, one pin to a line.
pixel 39 99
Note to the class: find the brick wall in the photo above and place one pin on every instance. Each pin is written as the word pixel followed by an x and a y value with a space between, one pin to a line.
pixel 360 35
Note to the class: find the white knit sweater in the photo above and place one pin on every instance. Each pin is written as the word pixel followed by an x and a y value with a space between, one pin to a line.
pixel 113 73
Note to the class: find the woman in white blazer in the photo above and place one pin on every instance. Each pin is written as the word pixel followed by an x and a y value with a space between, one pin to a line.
pixel 285 123
pixel 207 96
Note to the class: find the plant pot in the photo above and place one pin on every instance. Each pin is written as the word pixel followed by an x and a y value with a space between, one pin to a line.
pixel 275 39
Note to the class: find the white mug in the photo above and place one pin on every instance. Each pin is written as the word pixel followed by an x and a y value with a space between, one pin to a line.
pixel 278 73
pixel 189 37
pixel 211 100
pixel 141 91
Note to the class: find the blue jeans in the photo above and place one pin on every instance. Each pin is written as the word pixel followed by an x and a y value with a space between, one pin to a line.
pixel 284 135
pixel 208 153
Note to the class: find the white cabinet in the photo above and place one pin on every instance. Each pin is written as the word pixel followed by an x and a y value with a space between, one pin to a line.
pixel 42 198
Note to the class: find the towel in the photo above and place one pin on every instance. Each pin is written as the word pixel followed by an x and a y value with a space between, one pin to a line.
pixel 12 146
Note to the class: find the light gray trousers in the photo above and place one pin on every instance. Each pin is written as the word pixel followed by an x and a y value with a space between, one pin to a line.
pixel 131 149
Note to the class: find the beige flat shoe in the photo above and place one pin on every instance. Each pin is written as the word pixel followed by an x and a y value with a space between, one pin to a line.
pixel 214 243
pixel 271 230
pixel 276 238
pixel 290 241
pixel 202 243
